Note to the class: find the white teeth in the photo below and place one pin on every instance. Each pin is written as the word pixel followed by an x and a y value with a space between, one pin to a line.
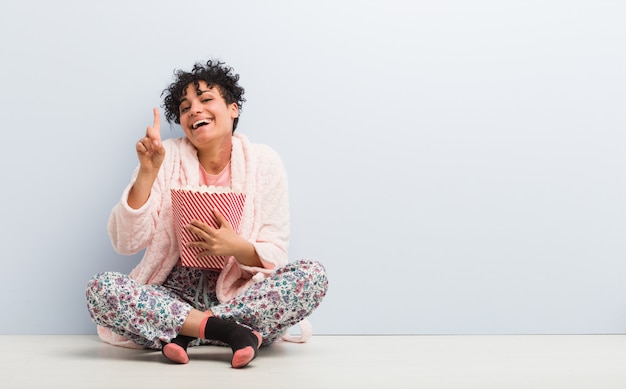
pixel 199 123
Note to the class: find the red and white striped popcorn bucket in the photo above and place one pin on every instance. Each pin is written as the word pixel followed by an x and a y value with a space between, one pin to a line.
pixel 198 204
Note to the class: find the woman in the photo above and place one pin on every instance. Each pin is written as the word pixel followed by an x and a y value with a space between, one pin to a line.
pixel 258 295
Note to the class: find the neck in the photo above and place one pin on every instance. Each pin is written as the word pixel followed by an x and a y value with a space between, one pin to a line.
pixel 214 160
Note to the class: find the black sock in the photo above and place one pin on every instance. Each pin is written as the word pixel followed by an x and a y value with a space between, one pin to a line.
pixel 176 350
pixel 183 341
pixel 238 337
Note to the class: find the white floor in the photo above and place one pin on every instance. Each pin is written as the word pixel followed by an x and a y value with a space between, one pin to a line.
pixel 495 361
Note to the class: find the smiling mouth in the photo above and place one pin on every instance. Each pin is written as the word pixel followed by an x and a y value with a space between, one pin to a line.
pixel 199 124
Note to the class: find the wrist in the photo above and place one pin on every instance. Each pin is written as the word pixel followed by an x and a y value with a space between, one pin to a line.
pixel 247 254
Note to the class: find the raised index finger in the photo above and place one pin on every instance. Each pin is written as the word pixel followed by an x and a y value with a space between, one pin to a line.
pixel 157 120
pixel 154 132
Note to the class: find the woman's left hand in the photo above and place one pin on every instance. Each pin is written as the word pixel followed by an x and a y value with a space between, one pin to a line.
pixel 215 241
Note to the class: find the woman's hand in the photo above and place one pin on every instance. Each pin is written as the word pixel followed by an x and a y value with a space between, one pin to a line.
pixel 150 150
pixel 222 241
pixel 151 153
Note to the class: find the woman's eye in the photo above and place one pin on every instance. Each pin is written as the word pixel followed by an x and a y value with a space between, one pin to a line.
pixel 206 100
pixel 184 109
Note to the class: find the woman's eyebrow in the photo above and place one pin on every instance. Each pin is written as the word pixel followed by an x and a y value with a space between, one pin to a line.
pixel 201 92
pixel 198 93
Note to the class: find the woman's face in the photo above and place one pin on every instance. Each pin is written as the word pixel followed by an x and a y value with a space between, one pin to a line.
pixel 204 115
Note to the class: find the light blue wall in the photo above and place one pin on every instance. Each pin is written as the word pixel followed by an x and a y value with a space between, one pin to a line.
pixel 459 166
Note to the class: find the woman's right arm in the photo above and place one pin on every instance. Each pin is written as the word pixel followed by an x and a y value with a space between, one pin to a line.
pixel 150 152
pixel 132 220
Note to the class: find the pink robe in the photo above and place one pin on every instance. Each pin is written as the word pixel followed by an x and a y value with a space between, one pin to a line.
pixel 256 171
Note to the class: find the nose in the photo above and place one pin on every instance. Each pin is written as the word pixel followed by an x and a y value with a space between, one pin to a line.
pixel 196 107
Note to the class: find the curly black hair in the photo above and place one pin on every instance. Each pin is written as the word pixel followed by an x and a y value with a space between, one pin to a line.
pixel 214 73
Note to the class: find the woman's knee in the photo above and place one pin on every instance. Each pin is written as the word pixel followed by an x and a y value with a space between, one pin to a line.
pixel 315 271
pixel 97 283
pixel 311 279
pixel 101 286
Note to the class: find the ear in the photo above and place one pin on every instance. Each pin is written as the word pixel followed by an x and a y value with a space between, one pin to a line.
pixel 234 110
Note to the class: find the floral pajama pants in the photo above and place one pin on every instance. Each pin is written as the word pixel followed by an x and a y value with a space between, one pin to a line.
pixel 149 314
